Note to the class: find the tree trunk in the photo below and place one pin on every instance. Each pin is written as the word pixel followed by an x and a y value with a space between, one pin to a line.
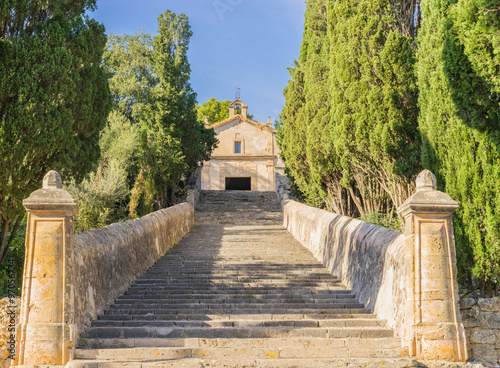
pixel 6 238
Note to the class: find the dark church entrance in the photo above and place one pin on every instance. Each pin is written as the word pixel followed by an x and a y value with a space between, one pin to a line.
pixel 238 183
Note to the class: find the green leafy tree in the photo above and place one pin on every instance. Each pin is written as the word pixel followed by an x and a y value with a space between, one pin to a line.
pixel 129 65
pixel 215 111
pixel 458 71
pixel 103 196
pixel 54 99
pixel 149 81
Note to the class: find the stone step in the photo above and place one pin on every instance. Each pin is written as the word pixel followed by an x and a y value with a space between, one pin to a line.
pixel 174 298
pixel 229 284
pixel 166 291
pixel 277 343
pixel 236 311
pixel 237 332
pixel 233 273
pixel 240 276
pixel 227 317
pixel 227 299
pixel 151 304
pixel 253 363
pixel 290 352
pixel 237 302
pixel 244 323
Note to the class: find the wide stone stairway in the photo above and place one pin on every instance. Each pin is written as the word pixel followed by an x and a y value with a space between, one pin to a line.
pixel 238 291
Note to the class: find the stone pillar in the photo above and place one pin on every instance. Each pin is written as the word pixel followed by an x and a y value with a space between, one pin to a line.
pixel 45 334
pixel 434 330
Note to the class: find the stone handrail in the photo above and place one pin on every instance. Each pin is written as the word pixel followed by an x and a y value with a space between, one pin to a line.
pixel 68 280
pixel 368 259
pixel 108 260
pixel 408 279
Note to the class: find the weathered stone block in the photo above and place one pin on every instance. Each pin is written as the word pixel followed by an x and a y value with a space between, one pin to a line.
pixel 470 318
pixel 485 352
pixel 483 337
pixel 467 303
pixel 489 304
pixel 492 320
pixel 438 350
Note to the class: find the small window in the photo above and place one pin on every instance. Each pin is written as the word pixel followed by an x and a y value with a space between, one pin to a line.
pixel 237 147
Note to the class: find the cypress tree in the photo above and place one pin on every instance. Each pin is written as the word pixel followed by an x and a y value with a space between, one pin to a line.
pixel 176 141
pixel 373 123
pixel 320 155
pixel 307 153
pixel 458 80
pixel 292 126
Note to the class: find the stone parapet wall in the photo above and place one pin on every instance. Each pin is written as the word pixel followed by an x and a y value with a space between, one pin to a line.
pixel 481 319
pixel 109 259
pixel 367 258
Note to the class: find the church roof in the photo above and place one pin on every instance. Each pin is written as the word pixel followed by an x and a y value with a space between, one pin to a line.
pixel 255 123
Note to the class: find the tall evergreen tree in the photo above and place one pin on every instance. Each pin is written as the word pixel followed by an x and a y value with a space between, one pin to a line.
pixel 54 98
pixel 307 109
pixel 373 123
pixel 458 70
pixel 291 128
pixel 179 140
pixel 349 126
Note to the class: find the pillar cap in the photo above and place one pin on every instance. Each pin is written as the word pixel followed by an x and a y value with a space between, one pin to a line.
pixel 51 197
pixel 427 198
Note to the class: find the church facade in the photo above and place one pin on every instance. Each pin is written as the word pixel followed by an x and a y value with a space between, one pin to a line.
pixel 246 157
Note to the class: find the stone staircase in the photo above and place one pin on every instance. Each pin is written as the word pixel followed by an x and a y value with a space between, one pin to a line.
pixel 238 207
pixel 238 291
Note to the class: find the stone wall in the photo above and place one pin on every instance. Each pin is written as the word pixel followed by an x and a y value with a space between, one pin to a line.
pixel 108 260
pixel 481 319
pixel 367 258
pixel 5 334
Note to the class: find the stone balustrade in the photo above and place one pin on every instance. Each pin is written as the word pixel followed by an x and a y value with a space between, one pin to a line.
pixel 69 280
pixel 408 279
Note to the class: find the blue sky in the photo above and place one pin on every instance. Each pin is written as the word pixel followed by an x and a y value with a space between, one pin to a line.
pixel 245 43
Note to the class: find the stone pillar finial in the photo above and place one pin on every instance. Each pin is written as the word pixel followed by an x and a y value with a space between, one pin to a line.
pixel 434 330
pixel 52 180
pixel 46 334
pixel 426 180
